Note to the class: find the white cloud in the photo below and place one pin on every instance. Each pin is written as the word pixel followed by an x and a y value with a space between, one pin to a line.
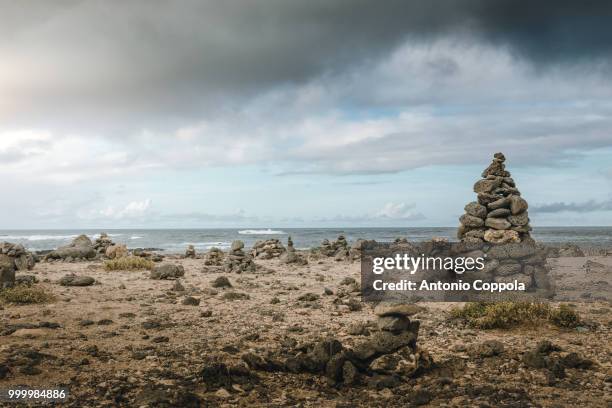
pixel 397 211
pixel 133 210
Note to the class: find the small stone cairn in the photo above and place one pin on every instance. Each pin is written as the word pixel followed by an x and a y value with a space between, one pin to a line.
pixel 268 249
pixel 291 256
pixel 13 257
pixel 357 248
pixel 500 214
pixel 237 261
pixel 339 249
pixel 380 360
pixel 214 257
pixel 190 252
pixel 102 243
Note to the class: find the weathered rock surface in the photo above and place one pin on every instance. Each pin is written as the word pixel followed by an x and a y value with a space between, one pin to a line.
pixel 75 280
pixel 167 271
pixel 80 248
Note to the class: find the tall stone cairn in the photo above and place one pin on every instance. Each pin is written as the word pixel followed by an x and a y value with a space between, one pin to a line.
pixel 500 214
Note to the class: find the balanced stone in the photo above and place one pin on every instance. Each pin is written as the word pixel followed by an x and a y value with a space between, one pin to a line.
pixel 498 223
pixel 499 213
pixel 476 210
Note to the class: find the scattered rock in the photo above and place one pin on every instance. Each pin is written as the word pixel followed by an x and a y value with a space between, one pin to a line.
pixel 167 271
pixel 221 282
pixel 74 280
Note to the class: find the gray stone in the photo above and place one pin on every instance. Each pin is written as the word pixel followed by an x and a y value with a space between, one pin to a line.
pixel 221 282
pixel 471 221
pixel 500 203
pixel 499 213
pixel 508 269
pixel 7 271
pixel 393 324
pixel 74 280
pixel 167 271
pixel 519 220
pixel 497 223
pixel 486 186
pixel 476 210
pixel 397 309
pixel 518 204
pixel 237 245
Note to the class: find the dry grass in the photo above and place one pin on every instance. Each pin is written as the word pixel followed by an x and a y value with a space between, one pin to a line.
pixel 506 315
pixel 128 263
pixel 24 295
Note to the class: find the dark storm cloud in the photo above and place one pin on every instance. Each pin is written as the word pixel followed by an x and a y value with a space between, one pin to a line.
pixel 583 207
pixel 183 56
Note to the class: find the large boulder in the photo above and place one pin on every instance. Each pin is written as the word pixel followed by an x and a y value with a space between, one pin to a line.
pixel 80 248
pixel 116 251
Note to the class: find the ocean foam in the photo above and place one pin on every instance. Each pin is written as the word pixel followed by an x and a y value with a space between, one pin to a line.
pixel 38 237
pixel 261 232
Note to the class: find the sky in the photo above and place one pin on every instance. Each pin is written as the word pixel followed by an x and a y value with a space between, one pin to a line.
pixel 319 113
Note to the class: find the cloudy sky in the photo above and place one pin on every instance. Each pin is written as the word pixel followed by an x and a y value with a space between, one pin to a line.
pixel 269 113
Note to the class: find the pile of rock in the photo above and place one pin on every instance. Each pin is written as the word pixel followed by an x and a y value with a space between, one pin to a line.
pixel 339 249
pixel 102 243
pixel 13 257
pixel 214 257
pixel 496 227
pixel 290 256
pixel 500 214
pixel 190 252
pixel 357 248
pixel 237 261
pixel 81 248
pixel 268 249
pixel 386 356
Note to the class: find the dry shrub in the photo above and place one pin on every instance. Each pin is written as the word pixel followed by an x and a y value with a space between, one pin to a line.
pixel 24 295
pixel 506 315
pixel 128 263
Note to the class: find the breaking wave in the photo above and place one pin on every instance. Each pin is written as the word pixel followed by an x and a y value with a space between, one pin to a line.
pixel 262 232
pixel 38 237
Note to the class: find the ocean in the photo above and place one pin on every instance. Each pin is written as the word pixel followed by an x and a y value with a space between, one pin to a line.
pixel 176 240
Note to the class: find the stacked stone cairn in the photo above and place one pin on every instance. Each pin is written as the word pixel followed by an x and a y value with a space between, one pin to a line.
pixel 338 249
pixel 497 227
pixel 214 257
pixel 290 256
pixel 357 248
pixel 237 261
pixel 190 252
pixel 500 214
pixel 102 243
pixel 268 249
pixel 13 257
pixel 381 360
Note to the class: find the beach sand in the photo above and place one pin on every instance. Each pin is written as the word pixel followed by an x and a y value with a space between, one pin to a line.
pixel 130 341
